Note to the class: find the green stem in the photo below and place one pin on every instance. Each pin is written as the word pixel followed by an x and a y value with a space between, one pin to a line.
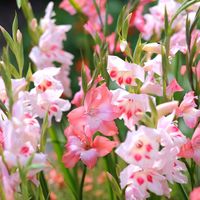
pixel 82 183
pixel 69 180
pixel 44 186
pixel 183 191
pixel 2 194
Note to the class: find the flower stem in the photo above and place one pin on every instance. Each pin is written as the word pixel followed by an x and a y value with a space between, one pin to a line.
pixel 183 191
pixel 82 183
pixel 69 180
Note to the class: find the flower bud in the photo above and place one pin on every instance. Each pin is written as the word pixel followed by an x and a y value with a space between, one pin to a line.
pixel 152 48
pixel 19 36
pixel 123 45
pixel 33 24
pixel 166 108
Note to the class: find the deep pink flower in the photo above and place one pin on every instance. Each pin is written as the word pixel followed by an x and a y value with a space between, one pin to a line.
pixel 195 194
pixel 173 87
pixel 82 147
pixel 97 113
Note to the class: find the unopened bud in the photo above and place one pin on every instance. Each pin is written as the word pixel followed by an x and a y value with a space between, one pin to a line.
pixel 166 108
pixel 123 45
pixel 19 36
pixel 152 48
pixel 33 24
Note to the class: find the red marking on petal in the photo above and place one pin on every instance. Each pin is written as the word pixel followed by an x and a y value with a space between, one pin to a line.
pixel 148 147
pixel 149 178
pixel 139 144
pixel 132 176
pixel 129 114
pixel 138 157
pixel 24 150
pixel 48 83
pixel 140 180
pixel 54 109
pixel 120 80
pixel 147 157
pixel 113 74
pixel 128 80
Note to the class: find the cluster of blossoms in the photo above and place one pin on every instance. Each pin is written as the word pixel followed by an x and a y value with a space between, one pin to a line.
pixel 143 97
pixel 149 142
pixel 95 11
pixel 20 130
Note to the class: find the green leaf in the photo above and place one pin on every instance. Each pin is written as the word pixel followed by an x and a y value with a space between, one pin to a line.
pixel 125 27
pixel 15 27
pixel 114 185
pixel 137 51
pixel 188 35
pixel 43 133
pixel 44 186
pixel 120 20
pixel 8 39
pixel 154 113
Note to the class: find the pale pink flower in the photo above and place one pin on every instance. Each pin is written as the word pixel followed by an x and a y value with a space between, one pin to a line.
pixel 170 134
pixel 154 21
pixel 44 81
pixel 97 112
pixel 124 73
pixel 188 111
pixel 50 48
pixel 152 85
pixel 8 182
pixel 17 86
pixel 132 106
pixel 141 147
pixel 82 147
pixel 171 167
pixel 154 65
pixel 173 87
pixel 195 194
pixel 46 103
pixel 139 181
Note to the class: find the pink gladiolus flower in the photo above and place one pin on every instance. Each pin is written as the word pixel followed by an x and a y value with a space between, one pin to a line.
pixel 173 87
pixel 50 48
pixel 132 106
pixel 192 148
pixel 187 110
pixel 140 147
pixel 124 73
pixel 82 147
pixel 8 182
pixel 93 24
pixel 195 194
pixel 44 81
pixel 151 85
pixel 170 134
pixel 139 181
pixel 97 113
pixel 154 65
pixel 17 86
